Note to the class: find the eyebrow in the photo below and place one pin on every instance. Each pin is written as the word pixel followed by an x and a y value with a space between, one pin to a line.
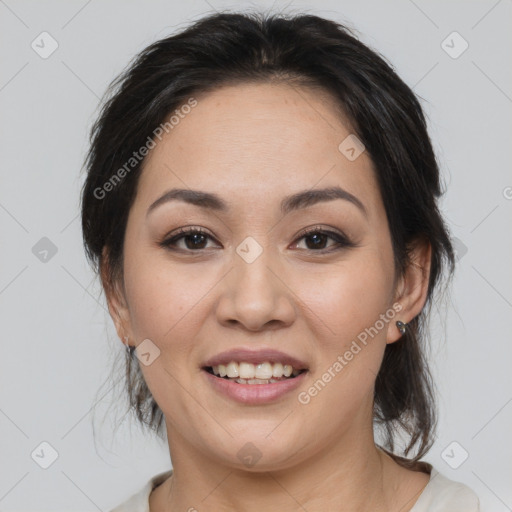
pixel 290 203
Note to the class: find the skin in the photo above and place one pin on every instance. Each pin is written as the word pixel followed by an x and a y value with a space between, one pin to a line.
pixel 253 144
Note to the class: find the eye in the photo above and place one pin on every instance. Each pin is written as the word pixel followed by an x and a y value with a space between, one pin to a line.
pixel 193 238
pixel 196 239
pixel 316 239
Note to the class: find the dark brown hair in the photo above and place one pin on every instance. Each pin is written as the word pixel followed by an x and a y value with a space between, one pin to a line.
pixel 302 50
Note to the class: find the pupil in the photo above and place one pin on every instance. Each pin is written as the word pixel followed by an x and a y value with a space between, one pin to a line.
pixel 196 237
pixel 319 238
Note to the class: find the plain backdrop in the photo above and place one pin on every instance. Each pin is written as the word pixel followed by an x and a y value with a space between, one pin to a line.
pixel 57 342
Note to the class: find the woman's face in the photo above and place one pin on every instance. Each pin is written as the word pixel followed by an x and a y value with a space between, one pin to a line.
pixel 254 281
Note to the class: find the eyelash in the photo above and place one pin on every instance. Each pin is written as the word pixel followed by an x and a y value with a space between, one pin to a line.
pixel 342 240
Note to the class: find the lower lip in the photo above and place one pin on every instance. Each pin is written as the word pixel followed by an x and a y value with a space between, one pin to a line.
pixel 254 394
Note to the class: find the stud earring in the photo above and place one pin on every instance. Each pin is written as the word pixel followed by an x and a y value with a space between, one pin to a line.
pixel 402 326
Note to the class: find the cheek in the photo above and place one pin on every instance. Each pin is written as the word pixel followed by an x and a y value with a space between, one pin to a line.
pixel 167 301
pixel 349 297
pixel 167 306
pixel 350 347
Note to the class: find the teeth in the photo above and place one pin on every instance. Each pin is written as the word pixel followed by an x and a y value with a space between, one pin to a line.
pixel 277 371
pixel 261 373
pixel 231 370
pixel 247 371
pixel 264 371
pixel 256 381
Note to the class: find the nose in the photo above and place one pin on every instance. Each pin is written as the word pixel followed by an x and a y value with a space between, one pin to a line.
pixel 255 295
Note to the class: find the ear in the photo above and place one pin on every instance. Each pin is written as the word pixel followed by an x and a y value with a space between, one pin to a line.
pixel 412 286
pixel 116 300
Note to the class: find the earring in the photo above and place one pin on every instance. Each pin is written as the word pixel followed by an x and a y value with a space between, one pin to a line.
pixel 402 326
pixel 129 348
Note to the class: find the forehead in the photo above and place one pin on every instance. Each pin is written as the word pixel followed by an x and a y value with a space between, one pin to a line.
pixel 257 140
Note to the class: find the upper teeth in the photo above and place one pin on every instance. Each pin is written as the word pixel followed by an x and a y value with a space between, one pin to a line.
pixel 250 371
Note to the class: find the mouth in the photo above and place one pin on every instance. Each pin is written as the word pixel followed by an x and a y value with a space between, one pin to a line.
pixel 255 377
pixel 254 374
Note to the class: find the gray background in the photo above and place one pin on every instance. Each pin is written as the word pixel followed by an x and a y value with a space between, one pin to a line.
pixel 58 345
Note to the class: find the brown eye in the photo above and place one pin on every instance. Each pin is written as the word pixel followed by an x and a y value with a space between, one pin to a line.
pixel 197 240
pixel 194 239
pixel 316 240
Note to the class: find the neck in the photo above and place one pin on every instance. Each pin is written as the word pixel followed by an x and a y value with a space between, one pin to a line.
pixel 333 476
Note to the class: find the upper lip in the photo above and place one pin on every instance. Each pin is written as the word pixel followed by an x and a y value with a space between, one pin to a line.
pixel 243 355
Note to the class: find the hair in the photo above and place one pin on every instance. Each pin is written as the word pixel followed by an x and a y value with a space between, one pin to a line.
pixel 302 51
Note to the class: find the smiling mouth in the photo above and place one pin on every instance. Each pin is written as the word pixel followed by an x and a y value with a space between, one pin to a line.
pixel 248 373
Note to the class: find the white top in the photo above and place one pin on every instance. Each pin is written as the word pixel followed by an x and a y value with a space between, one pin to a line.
pixel 439 495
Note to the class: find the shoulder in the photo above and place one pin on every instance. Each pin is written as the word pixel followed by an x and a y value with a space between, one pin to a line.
pixel 440 495
pixel 139 502
pixel 444 495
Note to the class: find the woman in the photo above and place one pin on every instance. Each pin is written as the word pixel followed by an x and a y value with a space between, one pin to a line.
pixel 261 205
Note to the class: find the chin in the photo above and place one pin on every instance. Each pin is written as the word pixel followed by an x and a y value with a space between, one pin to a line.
pixel 259 453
